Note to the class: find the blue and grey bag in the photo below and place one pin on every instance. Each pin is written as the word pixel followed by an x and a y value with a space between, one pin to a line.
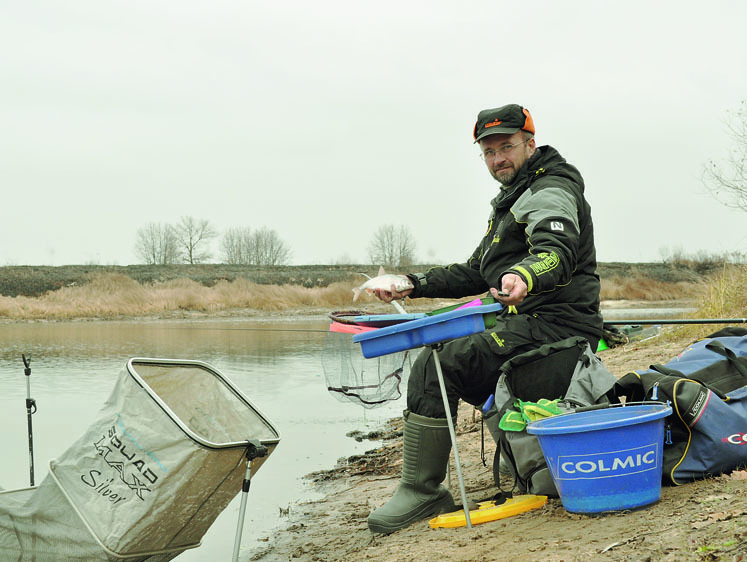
pixel 706 385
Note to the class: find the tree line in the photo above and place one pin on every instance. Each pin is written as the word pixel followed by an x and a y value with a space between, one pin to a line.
pixel 190 241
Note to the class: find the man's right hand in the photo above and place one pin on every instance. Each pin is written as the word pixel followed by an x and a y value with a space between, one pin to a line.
pixel 392 294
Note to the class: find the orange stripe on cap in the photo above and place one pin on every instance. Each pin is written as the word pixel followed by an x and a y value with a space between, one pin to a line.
pixel 529 122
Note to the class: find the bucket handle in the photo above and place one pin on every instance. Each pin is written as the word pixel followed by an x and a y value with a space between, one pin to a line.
pixel 604 406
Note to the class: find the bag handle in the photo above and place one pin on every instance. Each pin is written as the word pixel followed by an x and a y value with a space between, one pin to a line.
pixel 631 386
pixel 664 370
pixel 720 349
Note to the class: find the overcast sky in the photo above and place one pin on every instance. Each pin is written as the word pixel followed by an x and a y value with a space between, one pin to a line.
pixel 324 120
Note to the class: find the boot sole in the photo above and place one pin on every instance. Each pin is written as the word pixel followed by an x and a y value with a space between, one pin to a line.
pixel 443 506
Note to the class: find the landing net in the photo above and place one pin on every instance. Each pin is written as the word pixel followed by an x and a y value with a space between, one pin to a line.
pixel 350 377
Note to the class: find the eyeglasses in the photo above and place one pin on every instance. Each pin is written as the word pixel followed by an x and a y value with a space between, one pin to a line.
pixel 505 149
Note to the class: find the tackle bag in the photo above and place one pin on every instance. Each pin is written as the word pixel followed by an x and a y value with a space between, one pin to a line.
pixel 565 370
pixel 706 384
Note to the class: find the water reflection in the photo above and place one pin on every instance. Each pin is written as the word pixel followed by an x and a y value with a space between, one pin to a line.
pixel 276 364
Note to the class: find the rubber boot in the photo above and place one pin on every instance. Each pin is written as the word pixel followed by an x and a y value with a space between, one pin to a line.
pixel 426 449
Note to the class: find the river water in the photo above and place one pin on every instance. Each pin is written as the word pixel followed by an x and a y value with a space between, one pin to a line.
pixel 277 364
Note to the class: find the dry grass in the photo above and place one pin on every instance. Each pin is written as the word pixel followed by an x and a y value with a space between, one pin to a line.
pixel 647 289
pixel 724 296
pixel 114 295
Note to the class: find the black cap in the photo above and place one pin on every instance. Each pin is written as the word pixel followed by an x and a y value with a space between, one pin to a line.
pixel 503 120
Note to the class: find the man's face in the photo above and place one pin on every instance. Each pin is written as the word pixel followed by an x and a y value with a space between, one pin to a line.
pixel 505 155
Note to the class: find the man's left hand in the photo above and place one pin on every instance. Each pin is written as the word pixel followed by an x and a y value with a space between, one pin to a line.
pixel 514 286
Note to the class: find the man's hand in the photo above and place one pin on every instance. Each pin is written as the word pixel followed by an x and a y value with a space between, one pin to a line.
pixel 390 295
pixel 514 287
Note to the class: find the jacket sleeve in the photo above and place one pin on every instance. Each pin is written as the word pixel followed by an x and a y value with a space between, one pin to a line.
pixel 451 281
pixel 551 225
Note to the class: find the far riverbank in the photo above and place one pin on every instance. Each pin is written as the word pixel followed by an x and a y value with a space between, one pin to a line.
pixel 34 281
pixel 110 293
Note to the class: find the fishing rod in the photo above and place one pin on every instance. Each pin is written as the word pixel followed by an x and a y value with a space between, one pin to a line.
pixel 649 322
pixel 644 322
pixel 223 329
pixel 30 410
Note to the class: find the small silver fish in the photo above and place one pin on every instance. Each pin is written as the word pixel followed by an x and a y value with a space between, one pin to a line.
pixel 383 281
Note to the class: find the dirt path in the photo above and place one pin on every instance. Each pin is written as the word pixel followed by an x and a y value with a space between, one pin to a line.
pixel 706 520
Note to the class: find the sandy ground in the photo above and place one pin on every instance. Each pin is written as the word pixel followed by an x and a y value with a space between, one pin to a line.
pixel 705 520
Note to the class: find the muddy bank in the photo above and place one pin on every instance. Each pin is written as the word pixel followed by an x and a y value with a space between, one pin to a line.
pixel 705 520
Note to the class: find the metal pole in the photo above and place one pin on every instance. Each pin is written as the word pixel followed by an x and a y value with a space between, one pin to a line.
pixel 678 321
pixel 450 423
pixel 254 449
pixel 30 410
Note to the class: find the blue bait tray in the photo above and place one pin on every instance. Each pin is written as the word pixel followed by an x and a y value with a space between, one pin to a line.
pixel 425 331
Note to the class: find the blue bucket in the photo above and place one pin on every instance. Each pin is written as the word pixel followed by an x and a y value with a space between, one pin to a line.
pixel 605 460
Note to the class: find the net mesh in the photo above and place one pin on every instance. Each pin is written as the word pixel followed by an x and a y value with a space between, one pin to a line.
pixel 350 377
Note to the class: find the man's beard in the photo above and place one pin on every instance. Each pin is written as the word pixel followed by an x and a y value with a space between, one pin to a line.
pixel 505 176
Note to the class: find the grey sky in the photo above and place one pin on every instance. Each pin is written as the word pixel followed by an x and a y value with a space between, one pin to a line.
pixel 324 120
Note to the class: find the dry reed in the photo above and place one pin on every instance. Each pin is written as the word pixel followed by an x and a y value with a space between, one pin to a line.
pixel 724 296
pixel 110 296
pixel 114 295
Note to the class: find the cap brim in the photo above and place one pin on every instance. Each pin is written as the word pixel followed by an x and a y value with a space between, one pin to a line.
pixel 498 131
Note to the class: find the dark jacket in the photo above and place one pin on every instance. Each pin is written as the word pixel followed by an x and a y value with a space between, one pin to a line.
pixel 541 229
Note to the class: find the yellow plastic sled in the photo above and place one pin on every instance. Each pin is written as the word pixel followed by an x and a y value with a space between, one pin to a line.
pixel 488 511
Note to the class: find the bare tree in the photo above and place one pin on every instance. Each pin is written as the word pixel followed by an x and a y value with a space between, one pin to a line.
pixel 194 237
pixel 344 259
pixel 235 245
pixel 156 244
pixel 728 182
pixel 266 248
pixel 392 246
pixel 259 247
